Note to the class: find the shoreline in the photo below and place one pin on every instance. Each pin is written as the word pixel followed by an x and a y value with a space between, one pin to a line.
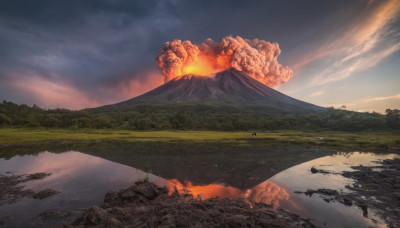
pixel 146 205
pixel 375 188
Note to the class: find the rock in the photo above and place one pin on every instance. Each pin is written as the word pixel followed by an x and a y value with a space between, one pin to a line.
pixel 147 191
pixel 364 208
pixel 49 213
pixel 310 192
pixel 3 220
pixel 44 193
pixel 237 221
pixel 375 188
pixel 323 191
pixel 110 196
pixel 314 170
pixel 11 189
pixel 112 222
pixel 118 211
pixel 128 194
pixel 396 195
pixel 94 215
pixel 37 176
pixel 327 191
pixel 162 209
pixel 347 202
pixel 46 214
pixel 199 206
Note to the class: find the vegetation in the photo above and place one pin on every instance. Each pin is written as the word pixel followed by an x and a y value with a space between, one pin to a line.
pixel 186 117
pixel 393 118
pixel 358 140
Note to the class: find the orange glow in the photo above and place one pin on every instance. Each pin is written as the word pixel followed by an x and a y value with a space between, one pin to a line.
pixel 54 94
pixel 206 65
pixel 266 192
pixel 204 191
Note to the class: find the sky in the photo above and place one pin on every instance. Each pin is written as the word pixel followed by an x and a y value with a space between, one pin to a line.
pixel 80 54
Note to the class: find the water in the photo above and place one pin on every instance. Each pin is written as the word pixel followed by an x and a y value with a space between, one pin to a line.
pixel 83 180
pixel 332 214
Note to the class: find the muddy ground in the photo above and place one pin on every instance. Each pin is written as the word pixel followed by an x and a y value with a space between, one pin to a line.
pixel 147 205
pixel 11 189
pixel 375 188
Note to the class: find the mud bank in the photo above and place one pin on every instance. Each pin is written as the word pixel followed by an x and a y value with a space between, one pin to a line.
pixel 375 188
pixel 146 205
pixel 11 190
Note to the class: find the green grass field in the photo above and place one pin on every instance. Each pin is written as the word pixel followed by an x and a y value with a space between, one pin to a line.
pixel 379 140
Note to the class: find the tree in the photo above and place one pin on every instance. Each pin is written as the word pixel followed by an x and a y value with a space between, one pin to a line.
pixel 4 120
pixel 393 118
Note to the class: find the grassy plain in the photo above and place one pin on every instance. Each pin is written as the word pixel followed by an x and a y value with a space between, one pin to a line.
pixel 351 140
pixel 200 156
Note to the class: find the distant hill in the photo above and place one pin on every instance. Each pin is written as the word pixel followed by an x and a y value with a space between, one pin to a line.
pixel 227 88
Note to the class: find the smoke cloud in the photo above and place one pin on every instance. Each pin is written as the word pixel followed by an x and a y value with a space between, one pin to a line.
pixel 257 58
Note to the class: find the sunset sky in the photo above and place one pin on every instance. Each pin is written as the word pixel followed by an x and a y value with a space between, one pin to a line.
pixel 80 54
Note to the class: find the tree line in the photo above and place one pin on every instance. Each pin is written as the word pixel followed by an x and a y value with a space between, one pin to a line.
pixel 195 118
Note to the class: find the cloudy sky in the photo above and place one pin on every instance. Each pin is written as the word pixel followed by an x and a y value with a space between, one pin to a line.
pixel 79 54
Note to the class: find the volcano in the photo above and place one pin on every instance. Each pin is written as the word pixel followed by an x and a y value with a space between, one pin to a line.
pixel 227 88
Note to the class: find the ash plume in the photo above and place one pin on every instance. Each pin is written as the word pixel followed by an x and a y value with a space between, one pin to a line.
pixel 174 55
pixel 257 58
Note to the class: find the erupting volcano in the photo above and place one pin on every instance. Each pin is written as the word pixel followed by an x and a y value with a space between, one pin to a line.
pixel 233 72
pixel 257 58
pixel 227 88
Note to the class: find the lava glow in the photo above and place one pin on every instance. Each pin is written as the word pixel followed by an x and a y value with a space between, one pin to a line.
pixel 266 192
pixel 206 65
pixel 257 58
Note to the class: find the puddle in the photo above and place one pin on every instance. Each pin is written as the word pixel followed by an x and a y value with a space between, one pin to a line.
pixel 322 213
pixel 83 180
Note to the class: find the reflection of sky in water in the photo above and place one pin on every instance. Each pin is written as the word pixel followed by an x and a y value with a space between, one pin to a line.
pixel 72 169
pixel 83 180
pixel 334 214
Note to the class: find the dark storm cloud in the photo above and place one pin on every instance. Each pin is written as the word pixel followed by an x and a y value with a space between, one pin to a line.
pixel 85 44
pixel 100 48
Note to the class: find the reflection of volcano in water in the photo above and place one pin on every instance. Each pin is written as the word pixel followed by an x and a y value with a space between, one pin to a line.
pixel 83 180
pixel 91 177
pixel 265 192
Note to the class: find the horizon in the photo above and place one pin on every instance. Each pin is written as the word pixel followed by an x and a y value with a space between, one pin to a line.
pixel 341 53
pixel 179 77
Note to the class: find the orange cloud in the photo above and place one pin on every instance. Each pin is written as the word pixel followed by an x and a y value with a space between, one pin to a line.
pixel 367 40
pixel 370 104
pixel 379 18
pixel 257 58
pixel 137 86
pixel 54 95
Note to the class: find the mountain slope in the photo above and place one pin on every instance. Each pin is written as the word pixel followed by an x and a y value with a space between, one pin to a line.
pixel 226 88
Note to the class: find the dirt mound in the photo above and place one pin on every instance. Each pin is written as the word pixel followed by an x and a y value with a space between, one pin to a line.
pixel 147 205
